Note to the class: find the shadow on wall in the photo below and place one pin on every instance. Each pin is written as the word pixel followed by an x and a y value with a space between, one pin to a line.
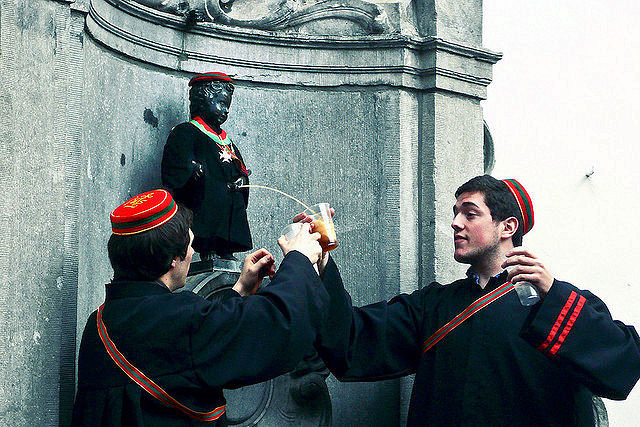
pixel 158 122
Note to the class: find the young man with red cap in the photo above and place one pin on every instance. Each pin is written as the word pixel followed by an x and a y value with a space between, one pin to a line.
pixel 478 355
pixel 153 357
pixel 202 167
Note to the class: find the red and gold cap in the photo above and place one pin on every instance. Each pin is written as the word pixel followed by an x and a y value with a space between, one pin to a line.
pixel 143 212
pixel 208 77
pixel 524 203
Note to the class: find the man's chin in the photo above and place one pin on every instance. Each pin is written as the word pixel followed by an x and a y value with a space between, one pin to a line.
pixel 462 258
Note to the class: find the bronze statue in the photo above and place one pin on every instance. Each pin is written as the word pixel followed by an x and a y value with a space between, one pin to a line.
pixel 203 169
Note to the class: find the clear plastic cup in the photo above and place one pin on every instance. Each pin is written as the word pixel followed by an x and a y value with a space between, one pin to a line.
pixel 292 230
pixel 527 293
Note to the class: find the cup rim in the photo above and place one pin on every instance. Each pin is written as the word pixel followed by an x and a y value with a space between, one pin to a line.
pixel 320 207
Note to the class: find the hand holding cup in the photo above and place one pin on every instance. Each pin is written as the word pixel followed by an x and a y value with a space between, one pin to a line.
pixel 321 218
pixel 302 241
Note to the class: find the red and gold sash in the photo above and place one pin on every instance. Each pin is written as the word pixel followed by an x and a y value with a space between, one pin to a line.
pixel 147 383
pixel 472 309
pixel 221 140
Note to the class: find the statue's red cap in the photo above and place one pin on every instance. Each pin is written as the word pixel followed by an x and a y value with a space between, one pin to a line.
pixel 143 212
pixel 208 77
pixel 524 203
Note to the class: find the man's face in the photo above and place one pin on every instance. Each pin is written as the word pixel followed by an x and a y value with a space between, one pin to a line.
pixel 181 268
pixel 475 234
pixel 217 109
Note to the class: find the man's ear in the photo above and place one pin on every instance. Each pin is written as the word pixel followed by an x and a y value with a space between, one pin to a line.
pixel 509 227
pixel 174 262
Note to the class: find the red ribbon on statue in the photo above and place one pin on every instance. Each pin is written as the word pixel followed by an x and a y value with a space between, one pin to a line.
pixel 220 140
pixel 147 383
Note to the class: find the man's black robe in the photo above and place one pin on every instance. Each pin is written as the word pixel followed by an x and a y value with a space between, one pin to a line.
pixel 193 348
pixel 506 365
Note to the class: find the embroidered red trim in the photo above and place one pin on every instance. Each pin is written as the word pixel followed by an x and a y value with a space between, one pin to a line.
pixel 559 320
pixel 568 326
pixel 472 309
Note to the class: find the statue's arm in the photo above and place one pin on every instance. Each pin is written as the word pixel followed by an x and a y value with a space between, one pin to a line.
pixel 178 160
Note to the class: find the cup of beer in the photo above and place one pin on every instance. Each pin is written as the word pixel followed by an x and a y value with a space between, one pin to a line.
pixel 323 224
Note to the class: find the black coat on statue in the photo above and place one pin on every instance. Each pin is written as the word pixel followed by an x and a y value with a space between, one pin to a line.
pixel 220 217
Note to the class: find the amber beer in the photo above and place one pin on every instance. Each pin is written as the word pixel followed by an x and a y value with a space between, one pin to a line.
pixel 323 224
pixel 328 239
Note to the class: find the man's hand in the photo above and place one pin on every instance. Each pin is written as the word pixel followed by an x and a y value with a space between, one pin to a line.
pixel 526 267
pixel 303 217
pixel 256 266
pixel 305 242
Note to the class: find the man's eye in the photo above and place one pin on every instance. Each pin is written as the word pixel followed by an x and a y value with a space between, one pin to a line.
pixel 471 214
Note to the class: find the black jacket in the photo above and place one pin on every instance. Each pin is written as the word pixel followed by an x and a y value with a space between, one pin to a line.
pixel 219 212
pixel 192 347
pixel 506 365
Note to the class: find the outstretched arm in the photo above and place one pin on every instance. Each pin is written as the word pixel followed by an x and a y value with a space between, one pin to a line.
pixel 373 342
pixel 240 341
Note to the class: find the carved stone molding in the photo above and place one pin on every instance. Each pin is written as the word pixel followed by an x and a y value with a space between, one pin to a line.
pixel 320 17
pixel 248 54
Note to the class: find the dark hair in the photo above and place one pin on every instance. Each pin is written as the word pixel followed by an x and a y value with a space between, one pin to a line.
pixel 498 198
pixel 201 94
pixel 148 255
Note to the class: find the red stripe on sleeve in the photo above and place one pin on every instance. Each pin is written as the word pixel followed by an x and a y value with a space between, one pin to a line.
pixel 559 320
pixel 569 325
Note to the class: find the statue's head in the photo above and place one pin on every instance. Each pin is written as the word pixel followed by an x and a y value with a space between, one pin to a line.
pixel 210 98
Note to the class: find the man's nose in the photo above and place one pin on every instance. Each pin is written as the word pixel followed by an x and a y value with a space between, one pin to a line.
pixel 456 224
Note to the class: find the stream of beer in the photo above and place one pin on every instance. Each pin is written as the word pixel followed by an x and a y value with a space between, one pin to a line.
pixel 276 190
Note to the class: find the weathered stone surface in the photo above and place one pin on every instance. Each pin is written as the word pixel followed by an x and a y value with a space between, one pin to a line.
pixel 412 61
pixel 38 292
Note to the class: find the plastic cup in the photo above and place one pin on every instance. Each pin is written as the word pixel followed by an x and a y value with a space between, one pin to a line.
pixel 527 293
pixel 292 230
pixel 323 224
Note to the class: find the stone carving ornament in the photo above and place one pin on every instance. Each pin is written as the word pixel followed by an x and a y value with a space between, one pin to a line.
pixel 319 17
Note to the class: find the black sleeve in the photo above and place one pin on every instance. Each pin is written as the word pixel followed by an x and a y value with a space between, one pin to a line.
pixel 574 328
pixel 176 168
pixel 373 342
pixel 241 341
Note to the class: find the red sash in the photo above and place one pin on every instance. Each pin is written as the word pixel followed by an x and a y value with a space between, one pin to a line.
pixel 146 383
pixel 472 309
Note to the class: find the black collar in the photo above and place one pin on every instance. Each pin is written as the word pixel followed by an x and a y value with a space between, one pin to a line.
pixel 493 283
pixel 131 289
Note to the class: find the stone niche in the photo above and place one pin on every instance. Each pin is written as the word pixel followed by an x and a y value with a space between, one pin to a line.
pixel 373 106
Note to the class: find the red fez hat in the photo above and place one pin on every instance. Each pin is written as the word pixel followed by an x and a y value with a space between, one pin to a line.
pixel 208 77
pixel 143 212
pixel 524 203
